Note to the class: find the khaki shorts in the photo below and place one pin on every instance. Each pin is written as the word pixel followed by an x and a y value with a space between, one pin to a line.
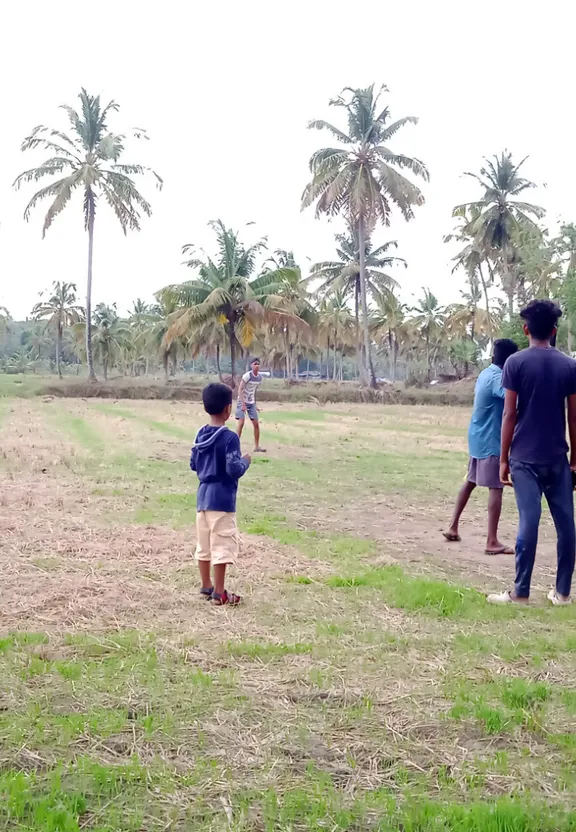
pixel 217 536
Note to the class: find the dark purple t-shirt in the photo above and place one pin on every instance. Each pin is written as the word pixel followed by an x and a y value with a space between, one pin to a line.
pixel 543 379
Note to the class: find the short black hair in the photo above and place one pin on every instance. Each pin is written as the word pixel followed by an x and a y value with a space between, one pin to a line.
pixel 503 349
pixel 541 317
pixel 254 361
pixel 216 398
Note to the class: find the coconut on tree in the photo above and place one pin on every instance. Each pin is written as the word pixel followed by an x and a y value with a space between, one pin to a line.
pixel 361 178
pixel 87 159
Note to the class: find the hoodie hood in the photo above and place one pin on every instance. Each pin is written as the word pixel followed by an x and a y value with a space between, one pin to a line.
pixel 207 436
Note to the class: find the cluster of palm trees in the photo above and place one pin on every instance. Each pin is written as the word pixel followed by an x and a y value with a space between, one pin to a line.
pixel 338 313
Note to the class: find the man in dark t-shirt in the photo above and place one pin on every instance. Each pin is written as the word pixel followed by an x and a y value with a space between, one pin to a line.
pixel 538 382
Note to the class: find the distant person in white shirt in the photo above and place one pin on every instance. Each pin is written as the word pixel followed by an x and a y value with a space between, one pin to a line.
pixel 249 384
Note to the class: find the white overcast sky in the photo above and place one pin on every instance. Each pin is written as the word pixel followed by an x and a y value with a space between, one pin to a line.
pixel 225 90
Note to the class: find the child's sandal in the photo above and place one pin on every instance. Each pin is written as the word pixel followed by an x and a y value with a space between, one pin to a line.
pixel 207 592
pixel 225 598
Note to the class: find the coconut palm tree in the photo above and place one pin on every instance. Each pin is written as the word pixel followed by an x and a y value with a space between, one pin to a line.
pixel 286 293
pixel 59 311
pixel 111 336
pixel 361 178
pixel 337 325
pixel 225 290
pixel 498 214
pixel 428 322
pixel 389 324
pixel 344 274
pixel 471 256
pixel 87 158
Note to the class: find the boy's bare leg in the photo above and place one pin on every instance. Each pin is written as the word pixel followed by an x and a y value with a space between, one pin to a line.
pixel 461 503
pixel 219 578
pixel 240 427
pixel 256 434
pixel 494 511
pixel 204 566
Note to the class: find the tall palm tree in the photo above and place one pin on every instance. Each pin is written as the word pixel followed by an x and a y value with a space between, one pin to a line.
pixel 389 322
pixel 111 336
pixel 361 178
pixel 344 274
pixel 471 257
pixel 430 317
pixel 498 214
pixel 89 159
pixel 336 323
pixel 226 290
pixel 59 310
pixel 286 293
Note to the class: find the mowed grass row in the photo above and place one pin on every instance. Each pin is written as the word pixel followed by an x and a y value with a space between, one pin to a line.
pixel 366 697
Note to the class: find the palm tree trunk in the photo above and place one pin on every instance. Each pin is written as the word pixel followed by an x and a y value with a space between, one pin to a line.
pixel 218 361
pixel 232 338
pixel 58 348
pixel 370 377
pixel 428 357
pixel 484 289
pixel 508 285
pixel 335 358
pixel 357 326
pixel 391 356
pixel 105 369
pixel 89 356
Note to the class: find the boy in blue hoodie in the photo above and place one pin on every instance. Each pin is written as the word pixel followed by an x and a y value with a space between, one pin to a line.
pixel 217 460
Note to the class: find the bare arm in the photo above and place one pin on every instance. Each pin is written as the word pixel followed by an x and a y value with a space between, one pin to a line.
pixel 241 392
pixel 572 429
pixel 508 424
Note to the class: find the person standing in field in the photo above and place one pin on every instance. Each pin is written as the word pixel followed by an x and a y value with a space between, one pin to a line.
pixel 249 384
pixel 217 461
pixel 539 382
pixel 484 448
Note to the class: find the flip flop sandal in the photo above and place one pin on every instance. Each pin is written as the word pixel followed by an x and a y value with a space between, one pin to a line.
pixel 207 592
pixel 451 538
pixel 505 550
pixel 226 598
pixel 259 451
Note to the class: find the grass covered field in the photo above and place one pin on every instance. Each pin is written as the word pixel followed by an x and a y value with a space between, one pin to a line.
pixel 365 684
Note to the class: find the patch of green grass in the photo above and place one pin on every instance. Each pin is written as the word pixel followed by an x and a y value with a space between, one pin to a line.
pixel 289 416
pixel 20 386
pixel 175 509
pixel 413 593
pixel 262 651
pixel 322 805
pixel 502 704
pixel 77 428
pixel 523 693
pixel 167 428
pixel 311 543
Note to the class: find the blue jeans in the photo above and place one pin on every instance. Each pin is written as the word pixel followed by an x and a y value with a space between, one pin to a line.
pixel 555 483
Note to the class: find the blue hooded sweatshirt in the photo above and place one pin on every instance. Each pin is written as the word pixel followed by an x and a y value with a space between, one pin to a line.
pixel 217 460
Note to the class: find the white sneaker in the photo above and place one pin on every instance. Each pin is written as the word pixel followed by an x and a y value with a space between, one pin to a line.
pixel 500 598
pixel 557 601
